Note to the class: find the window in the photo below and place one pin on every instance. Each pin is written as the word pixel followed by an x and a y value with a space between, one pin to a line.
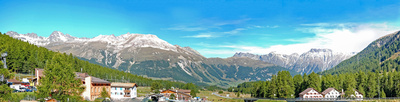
pixel 120 88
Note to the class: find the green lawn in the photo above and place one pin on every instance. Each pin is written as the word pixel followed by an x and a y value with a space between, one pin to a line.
pixel 266 100
pixel 143 91
pixel 210 97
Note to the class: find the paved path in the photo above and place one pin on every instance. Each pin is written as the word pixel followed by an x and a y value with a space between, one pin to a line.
pixel 221 96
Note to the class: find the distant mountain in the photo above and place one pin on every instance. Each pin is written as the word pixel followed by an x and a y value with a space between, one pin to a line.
pixel 381 54
pixel 153 57
pixel 315 60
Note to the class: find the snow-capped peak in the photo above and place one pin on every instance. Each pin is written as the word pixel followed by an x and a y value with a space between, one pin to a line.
pixel 117 43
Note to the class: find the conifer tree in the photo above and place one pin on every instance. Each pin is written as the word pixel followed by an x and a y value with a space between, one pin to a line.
pixel 297 79
pixel 383 94
pixel 104 94
pixel 59 80
pixel 314 81
pixel 372 85
pixel 350 86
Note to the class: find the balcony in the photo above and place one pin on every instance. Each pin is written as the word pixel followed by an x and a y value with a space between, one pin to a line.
pixel 127 91
pixel 127 95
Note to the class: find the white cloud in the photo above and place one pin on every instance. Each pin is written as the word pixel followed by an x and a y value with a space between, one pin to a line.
pixel 203 35
pixel 345 37
pixel 235 31
pixel 185 28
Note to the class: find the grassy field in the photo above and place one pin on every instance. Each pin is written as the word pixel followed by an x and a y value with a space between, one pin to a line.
pixel 143 91
pixel 381 100
pixel 211 97
pixel 265 100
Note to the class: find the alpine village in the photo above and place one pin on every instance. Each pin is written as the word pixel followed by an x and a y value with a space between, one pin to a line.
pixel 87 65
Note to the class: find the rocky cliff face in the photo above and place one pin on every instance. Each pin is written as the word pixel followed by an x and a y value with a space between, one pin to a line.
pixel 316 60
pixel 153 57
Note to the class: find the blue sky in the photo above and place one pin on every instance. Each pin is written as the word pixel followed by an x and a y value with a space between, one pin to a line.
pixel 215 28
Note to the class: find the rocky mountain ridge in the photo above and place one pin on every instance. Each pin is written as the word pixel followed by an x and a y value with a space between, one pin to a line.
pixel 314 60
pixel 153 57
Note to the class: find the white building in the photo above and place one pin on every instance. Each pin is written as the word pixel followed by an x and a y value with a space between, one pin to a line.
pixel 358 94
pixel 123 90
pixel 310 93
pixel 15 84
pixel 331 93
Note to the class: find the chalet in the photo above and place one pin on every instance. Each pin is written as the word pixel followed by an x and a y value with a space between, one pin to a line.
pixel 93 85
pixel 357 94
pixel 123 90
pixel 179 94
pixel 331 93
pixel 14 84
pixel 310 93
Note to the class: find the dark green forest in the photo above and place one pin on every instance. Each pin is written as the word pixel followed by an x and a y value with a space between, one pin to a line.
pixel 371 84
pixel 24 58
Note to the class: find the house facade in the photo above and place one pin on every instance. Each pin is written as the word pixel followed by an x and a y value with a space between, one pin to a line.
pixel 179 94
pixel 357 94
pixel 310 93
pixel 331 93
pixel 14 84
pixel 123 90
pixel 93 86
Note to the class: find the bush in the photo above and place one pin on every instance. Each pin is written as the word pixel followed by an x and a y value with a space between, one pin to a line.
pixel 220 92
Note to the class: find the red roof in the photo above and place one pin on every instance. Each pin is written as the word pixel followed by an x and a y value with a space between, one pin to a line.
pixel 329 90
pixel 14 81
pixel 308 90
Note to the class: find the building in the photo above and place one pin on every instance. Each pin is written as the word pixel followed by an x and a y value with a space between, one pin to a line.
pixel 310 93
pixel 179 94
pixel 123 90
pixel 39 73
pixel 358 94
pixel 331 93
pixel 14 84
pixel 93 86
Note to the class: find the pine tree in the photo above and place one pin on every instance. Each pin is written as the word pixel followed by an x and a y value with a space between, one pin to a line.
pixel 314 81
pixel 372 85
pixel 383 94
pixel 297 84
pixel 104 94
pixel 361 82
pixel 350 86
pixel 59 80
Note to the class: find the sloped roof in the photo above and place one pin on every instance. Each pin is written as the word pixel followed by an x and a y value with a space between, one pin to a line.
pixel 184 91
pixel 123 84
pixel 358 91
pixel 329 90
pixel 165 91
pixel 14 81
pixel 308 90
pixel 99 81
pixel 78 75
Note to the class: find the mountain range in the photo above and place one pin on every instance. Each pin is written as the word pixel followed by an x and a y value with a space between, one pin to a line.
pixel 150 56
pixel 380 55
pixel 314 60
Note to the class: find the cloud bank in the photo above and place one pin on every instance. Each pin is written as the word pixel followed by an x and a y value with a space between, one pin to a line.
pixel 343 37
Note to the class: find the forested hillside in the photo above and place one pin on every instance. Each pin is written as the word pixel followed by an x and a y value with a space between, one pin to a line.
pixel 382 54
pixel 370 84
pixel 24 57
